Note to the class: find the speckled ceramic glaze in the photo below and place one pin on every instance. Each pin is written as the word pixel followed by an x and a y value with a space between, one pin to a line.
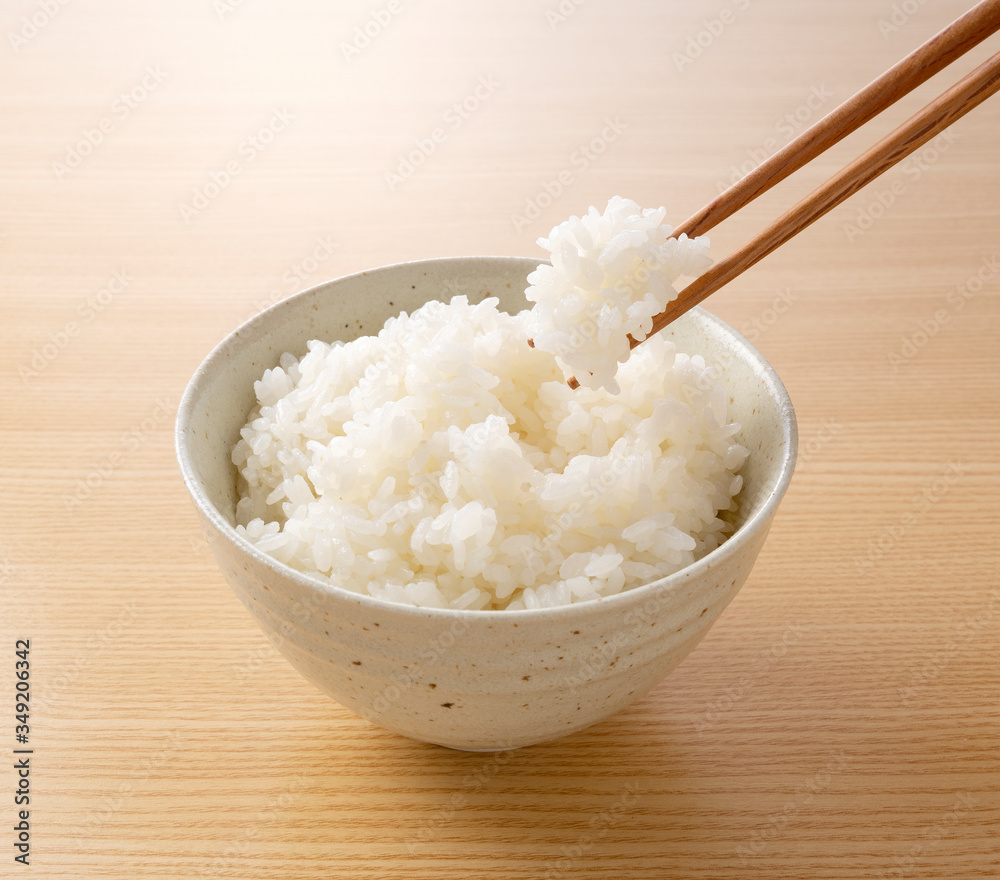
pixel 471 679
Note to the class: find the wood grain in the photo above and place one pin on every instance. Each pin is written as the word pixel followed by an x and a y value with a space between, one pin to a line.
pixel 839 721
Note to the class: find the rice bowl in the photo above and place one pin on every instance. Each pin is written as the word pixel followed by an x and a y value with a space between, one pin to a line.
pixel 466 678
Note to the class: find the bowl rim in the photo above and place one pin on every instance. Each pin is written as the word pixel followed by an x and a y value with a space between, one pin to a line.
pixel 635 595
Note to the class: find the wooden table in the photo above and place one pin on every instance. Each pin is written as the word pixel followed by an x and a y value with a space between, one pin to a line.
pixel 166 169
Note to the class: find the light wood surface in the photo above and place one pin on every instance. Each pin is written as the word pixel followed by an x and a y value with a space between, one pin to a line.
pixel 841 720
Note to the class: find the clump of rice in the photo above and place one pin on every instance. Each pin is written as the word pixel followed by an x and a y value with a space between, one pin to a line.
pixel 611 274
pixel 446 463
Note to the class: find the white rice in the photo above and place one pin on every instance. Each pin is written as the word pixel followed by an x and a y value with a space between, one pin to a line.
pixel 446 463
pixel 611 274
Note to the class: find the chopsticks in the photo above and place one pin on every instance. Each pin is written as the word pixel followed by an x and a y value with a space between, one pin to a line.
pixel 912 134
pixel 916 68
pixel 956 39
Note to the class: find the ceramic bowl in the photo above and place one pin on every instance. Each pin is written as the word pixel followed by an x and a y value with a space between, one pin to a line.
pixel 477 680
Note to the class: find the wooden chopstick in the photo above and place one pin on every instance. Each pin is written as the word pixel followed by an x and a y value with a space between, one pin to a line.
pixel 969 92
pixel 920 65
